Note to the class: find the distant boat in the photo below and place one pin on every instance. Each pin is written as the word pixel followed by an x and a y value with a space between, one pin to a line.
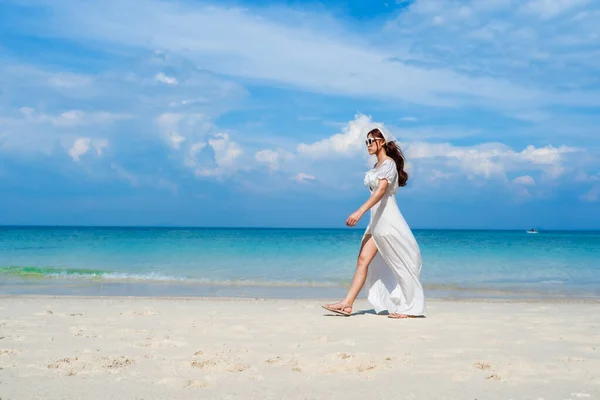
pixel 533 231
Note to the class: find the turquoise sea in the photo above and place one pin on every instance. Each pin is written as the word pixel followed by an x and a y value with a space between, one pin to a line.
pixel 297 263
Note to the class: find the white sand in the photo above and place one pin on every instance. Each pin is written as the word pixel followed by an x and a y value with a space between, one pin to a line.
pixel 144 348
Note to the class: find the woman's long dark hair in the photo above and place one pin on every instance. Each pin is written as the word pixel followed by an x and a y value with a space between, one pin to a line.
pixel 393 151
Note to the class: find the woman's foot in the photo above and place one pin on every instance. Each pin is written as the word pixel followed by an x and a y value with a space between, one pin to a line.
pixel 402 316
pixel 339 308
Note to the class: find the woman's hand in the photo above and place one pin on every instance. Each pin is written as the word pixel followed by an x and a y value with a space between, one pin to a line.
pixel 354 218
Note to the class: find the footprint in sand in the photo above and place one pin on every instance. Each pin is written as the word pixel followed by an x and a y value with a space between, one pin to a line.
pixel 228 361
pixel 279 362
pixel 494 377
pixel 219 365
pixel 237 368
pixel 80 332
pixel 482 366
pixel 485 367
pixel 62 362
pixel 116 363
pixel 204 364
pixel 76 331
pixel 71 365
pixel 366 367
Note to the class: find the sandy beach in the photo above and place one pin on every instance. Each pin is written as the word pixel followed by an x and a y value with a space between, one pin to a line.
pixel 178 348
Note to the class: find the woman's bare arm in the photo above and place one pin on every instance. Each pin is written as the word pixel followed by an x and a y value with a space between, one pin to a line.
pixel 371 201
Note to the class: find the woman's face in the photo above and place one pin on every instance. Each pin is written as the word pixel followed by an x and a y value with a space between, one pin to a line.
pixel 373 144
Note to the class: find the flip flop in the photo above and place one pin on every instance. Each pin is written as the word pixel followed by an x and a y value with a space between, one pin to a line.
pixel 341 312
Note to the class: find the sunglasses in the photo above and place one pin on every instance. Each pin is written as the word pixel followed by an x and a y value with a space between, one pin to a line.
pixel 370 141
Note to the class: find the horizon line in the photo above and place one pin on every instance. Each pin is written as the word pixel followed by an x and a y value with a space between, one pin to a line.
pixel 274 227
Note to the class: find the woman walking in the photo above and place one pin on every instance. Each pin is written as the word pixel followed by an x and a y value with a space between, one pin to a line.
pixel 389 261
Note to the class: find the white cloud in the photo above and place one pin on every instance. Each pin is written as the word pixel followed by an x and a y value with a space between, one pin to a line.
pixel 169 123
pixel 304 178
pixel 321 57
pixel 169 80
pixel 451 53
pixel 350 142
pixel 435 174
pixel 175 139
pixel 76 117
pixel 82 145
pixel 99 145
pixel 272 158
pixel 53 104
pixel 437 162
pixel 71 118
pixel 190 160
pixel 503 39
pixel 226 160
pixel 66 80
pixel 28 112
pixel 226 151
pixel 525 180
pixel 26 130
pixel 545 155
pixel 551 8
pixel 179 127
pixel 188 134
pixel 492 159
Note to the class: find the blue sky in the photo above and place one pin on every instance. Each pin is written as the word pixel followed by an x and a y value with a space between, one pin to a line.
pixel 242 113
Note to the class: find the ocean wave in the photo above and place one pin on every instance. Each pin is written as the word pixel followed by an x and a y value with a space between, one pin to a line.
pixel 40 272
pixel 151 277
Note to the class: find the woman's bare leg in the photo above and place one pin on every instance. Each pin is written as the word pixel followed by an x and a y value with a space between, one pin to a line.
pixel 367 252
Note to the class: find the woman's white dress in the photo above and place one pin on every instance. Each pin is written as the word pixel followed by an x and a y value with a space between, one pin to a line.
pixel 393 282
